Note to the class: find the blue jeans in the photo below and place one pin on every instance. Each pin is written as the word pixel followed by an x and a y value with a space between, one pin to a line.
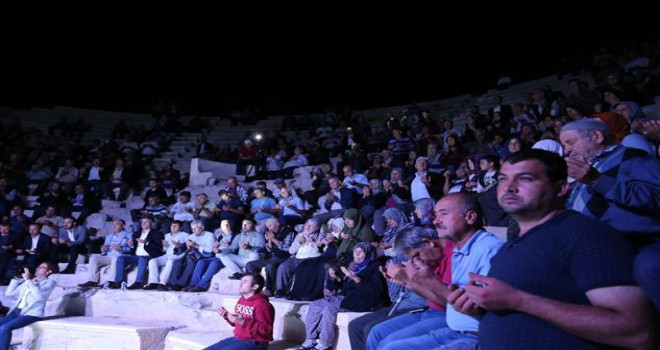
pixel 11 321
pixel 647 272
pixel 237 344
pixel 204 271
pixel 405 326
pixel 141 261
pixel 443 338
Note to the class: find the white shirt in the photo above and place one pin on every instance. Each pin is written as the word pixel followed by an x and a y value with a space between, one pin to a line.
pixel 140 251
pixel 180 237
pixel 94 173
pixel 35 240
pixel 418 189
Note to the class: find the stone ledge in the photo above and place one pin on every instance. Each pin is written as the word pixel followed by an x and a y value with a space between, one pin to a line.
pixel 97 333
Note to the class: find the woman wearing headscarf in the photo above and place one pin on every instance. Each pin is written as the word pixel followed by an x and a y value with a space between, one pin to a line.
pixel 355 231
pixel 303 247
pixel 363 289
pixel 396 222
pixel 311 287
pixel 620 128
pixel 424 212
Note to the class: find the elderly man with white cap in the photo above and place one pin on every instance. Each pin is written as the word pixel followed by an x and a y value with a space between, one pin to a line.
pixel 619 186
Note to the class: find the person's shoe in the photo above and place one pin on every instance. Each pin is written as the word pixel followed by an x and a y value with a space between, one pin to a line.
pixel 136 285
pixel 88 284
pixel 68 271
pixel 152 286
pixel 279 294
pixel 165 288
pixel 196 289
pixel 307 345
pixel 291 297
pixel 186 289
pixel 320 346
pixel 236 276
pixel 114 285
pixel 177 288
pixel 267 293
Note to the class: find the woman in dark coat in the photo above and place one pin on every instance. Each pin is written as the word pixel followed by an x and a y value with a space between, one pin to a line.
pixel 363 289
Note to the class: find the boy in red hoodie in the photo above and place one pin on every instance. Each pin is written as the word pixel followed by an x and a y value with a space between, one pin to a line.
pixel 253 320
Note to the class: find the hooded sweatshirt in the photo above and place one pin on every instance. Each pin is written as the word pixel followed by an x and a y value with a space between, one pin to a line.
pixel 258 315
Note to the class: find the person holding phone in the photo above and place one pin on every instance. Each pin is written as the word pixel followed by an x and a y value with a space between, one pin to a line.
pixel 32 293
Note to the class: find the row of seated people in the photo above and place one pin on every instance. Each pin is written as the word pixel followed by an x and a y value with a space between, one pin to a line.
pixel 182 261
pixel 19 250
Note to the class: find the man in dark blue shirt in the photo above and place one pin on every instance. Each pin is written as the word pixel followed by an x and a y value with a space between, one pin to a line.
pixel 566 282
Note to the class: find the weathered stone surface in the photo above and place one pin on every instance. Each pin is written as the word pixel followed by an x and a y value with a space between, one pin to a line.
pixel 97 333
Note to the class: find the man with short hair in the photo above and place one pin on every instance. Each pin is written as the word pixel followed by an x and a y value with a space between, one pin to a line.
pixel 145 244
pixel 459 219
pixel 9 241
pixel 37 247
pixel 115 244
pixel 72 238
pixel 566 282
pixel 339 199
pixel 278 240
pixel 174 245
pixel 199 246
pixel 245 247
pixel 51 221
pixel 32 294
pixel 353 180
pixel 253 320
pixel 236 190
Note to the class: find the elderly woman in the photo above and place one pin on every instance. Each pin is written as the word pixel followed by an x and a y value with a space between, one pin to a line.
pixel 303 247
pixel 363 289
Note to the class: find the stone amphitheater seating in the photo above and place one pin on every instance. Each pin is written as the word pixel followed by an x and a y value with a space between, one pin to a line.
pixel 94 318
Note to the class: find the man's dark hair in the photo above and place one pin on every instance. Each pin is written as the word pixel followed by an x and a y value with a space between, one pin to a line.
pixel 259 280
pixel 470 202
pixel 555 165
pixel 51 266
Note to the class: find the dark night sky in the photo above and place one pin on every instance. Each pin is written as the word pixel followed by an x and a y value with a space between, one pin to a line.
pixel 285 71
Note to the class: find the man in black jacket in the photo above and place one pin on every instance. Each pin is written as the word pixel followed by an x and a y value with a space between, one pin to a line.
pixel 145 244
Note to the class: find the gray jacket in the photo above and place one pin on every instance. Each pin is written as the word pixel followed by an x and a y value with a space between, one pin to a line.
pixel 37 295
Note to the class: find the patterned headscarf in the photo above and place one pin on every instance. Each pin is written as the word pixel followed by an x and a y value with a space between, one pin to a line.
pixel 397 215
pixel 425 207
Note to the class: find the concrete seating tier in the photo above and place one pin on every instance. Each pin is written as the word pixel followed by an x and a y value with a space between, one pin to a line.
pixel 96 333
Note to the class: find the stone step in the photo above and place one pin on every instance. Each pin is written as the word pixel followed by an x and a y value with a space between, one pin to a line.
pixel 190 339
pixel 97 333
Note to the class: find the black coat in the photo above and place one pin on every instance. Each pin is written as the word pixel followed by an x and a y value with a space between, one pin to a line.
pixel 370 294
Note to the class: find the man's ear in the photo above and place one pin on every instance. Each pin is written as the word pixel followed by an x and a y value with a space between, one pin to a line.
pixel 598 136
pixel 471 217
pixel 564 188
